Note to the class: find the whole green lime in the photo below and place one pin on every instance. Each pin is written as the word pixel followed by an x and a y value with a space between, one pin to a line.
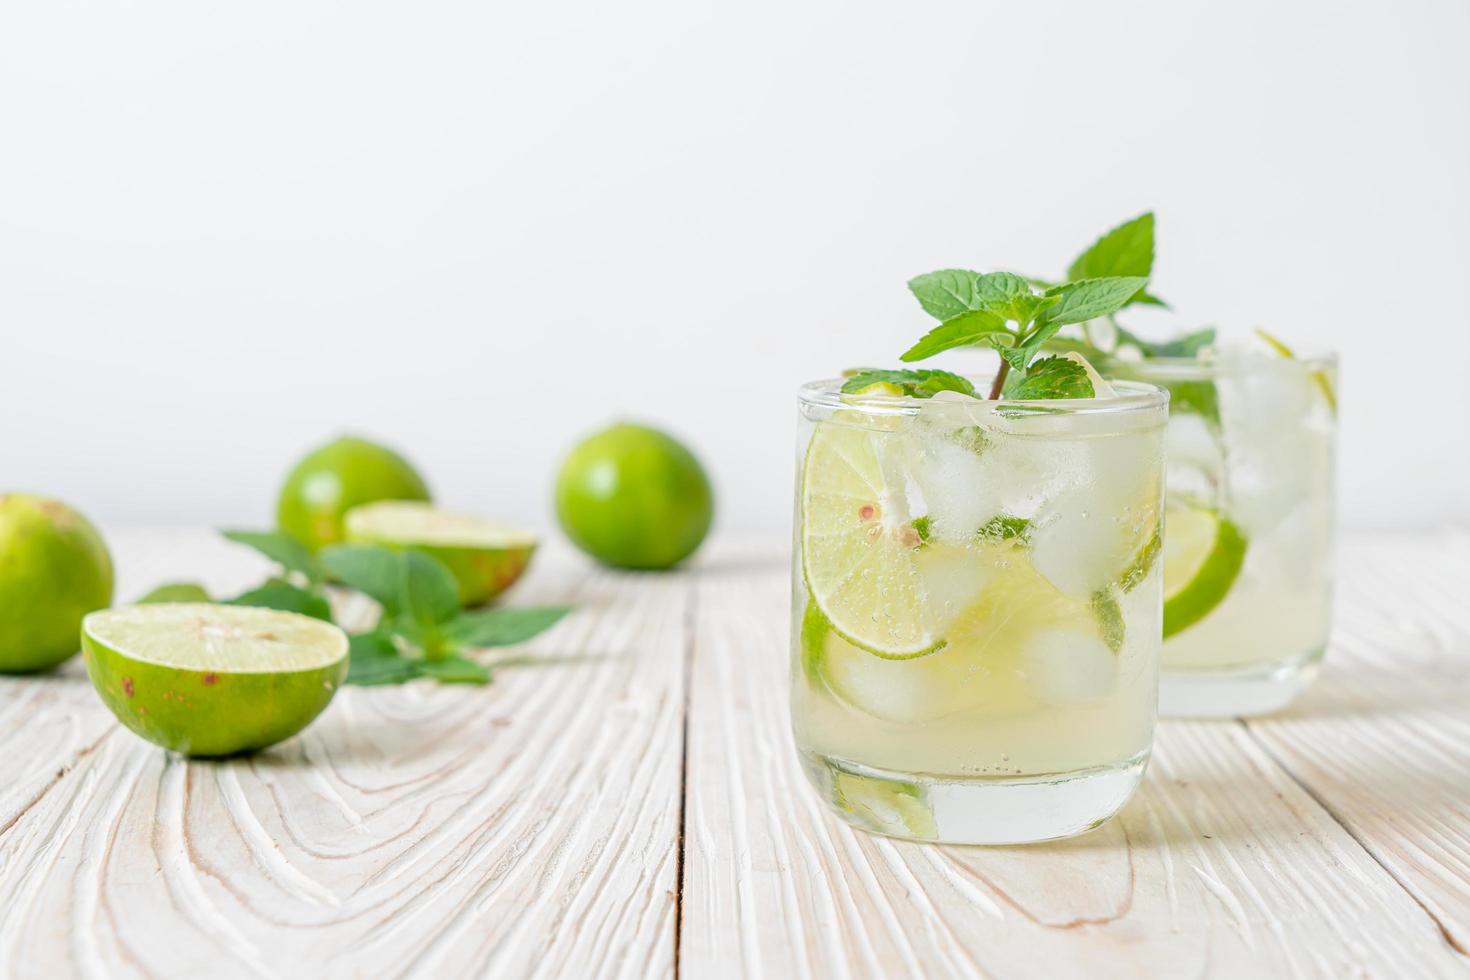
pixel 54 569
pixel 331 480
pixel 633 497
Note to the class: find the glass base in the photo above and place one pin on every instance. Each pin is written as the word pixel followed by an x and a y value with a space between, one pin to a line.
pixel 1255 690
pixel 944 810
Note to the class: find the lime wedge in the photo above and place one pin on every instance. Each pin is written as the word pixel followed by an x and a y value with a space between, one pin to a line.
pixel 861 553
pixel 1203 553
pixel 486 558
pixel 213 680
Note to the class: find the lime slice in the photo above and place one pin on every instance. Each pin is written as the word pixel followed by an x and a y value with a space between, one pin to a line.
pixel 885 806
pixel 1018 640
pixel 486 558
pixel 883 389
pixel 213 680
pixel 904 692
pixel 861 553
pixel 1203 553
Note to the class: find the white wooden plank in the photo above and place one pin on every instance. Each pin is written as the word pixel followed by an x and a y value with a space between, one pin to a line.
pixel 524 829
pixel 1222 866
pixel 1383 738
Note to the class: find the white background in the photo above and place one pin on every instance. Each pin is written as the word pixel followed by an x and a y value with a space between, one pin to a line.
pixel 228 231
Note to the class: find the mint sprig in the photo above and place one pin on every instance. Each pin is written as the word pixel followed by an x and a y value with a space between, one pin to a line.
pixel 1003 311
pixel 423 632
pixel 1127 250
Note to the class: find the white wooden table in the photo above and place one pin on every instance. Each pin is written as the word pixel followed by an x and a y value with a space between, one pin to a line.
pixel 630 806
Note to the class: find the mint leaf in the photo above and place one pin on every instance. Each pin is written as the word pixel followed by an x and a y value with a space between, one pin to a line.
pixel 176 592
pixel 1088 299
pixel 972 327
pixel 502 627
pixel 1185 345
pixel 946 293
pixel 1109 618
pixel 915 382
pixel 950 292
pixel 427 592
pixel 373 571
pixel 455 669
pixel 1020 356
pixel 1076 344
pixel 1003 527
pixel 278 594
pixel 1009 296
pixel 374 659
pixel 1127 250
pixel 1196 397
pixel 1054 377
pixel 923 526
pixel 282 549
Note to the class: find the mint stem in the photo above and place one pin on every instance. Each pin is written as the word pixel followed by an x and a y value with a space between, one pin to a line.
pixel 1000 379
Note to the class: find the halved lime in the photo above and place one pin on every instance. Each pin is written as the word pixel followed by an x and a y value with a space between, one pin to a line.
pixel 486 558
pixel 861 554
pixel 212 680
pixel 1203 553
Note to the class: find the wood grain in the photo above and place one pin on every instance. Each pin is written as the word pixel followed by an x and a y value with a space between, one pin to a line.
pixel 528 828
pixel 1224 865
pixel 1383 739
pixel 535 827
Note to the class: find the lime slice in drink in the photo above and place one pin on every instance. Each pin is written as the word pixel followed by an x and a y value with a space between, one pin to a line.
pixel 885 806
pixel 865 564
pixel 484 557
pixel 905 692
pixel 212 680
pixel 1203 553
pixel 1017 640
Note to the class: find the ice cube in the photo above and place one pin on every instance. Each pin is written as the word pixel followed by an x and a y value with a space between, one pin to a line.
pixel 1270 457
pixel 952 464
pixel 1080 544
pixel 1065 666
pixel 953 576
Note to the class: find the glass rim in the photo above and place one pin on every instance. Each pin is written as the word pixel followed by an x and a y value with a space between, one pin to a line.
pixel 1135 396
pixel 1206 368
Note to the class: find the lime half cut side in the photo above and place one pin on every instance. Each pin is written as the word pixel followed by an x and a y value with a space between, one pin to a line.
pixel 860 550
pixel 213 680
pixel 485 557
pixel 1203 554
